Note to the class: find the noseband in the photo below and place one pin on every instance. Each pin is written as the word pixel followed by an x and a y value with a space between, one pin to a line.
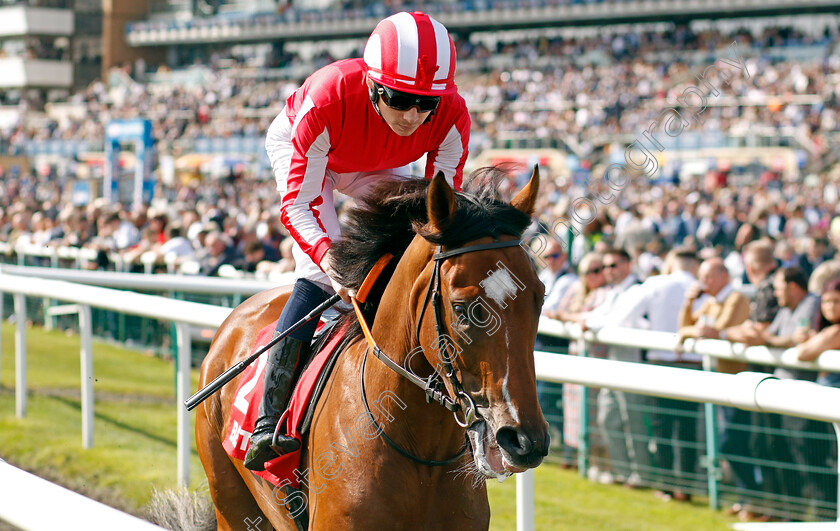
pixel 433 387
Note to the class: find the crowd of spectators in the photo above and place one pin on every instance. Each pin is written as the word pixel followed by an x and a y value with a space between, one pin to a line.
pixel 800 216
pixel 579 92
pixel 223 228
pixel 214 13
pixel 719 242
pixel 694 295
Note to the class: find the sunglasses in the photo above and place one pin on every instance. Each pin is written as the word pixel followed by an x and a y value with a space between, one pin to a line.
pixel 594 271
pixel 610 266
pixel 403 101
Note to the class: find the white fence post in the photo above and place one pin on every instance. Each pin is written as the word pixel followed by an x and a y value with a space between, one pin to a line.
pixel 87 375
pixel 20 355
pixel 182 392
pixel 525 500
pixel 837 434
pixel 85 362
pixel 1 323
pixel 710 414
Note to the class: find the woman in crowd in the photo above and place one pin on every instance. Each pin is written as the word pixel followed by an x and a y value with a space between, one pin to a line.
pixel 581 297
pixel 826 333
pixel 585 294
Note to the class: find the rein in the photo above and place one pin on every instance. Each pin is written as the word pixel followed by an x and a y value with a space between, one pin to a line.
pixel 431 386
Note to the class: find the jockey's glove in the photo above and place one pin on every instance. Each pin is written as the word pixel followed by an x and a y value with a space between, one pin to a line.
pixel 343 292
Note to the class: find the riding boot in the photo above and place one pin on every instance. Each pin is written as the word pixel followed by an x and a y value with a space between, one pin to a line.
pixel 283 359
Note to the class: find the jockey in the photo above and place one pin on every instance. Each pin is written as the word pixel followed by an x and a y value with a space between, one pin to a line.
pixel 351 125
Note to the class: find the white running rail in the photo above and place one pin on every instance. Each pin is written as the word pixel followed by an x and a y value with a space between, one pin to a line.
pixel 35 504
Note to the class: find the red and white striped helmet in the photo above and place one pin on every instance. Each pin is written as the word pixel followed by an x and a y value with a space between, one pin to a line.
pixel 412 52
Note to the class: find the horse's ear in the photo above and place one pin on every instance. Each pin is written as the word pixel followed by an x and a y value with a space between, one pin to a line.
pixel 440 203
pixel 527 197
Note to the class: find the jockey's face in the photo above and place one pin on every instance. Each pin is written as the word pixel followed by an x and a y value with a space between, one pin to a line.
pixel 403 123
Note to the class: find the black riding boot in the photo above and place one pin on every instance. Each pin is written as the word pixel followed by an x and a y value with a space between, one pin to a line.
pixel 283 358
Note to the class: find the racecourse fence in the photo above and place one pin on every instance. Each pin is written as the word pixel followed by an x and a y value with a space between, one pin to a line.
pixel 142 332
pixel 776 465
pixel 748 391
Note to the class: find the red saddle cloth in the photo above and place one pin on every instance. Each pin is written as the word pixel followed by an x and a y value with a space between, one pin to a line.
pixel 243 413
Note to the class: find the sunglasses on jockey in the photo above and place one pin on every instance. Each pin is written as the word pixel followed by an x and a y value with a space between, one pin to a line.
pixel 403 101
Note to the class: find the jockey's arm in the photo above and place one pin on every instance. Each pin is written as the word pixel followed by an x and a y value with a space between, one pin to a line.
pixel 304 184
pixel 451 155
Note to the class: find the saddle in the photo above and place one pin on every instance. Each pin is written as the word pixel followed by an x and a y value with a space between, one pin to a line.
pixel 298 415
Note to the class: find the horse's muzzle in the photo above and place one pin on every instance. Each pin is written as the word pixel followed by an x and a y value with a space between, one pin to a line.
pixel 524 450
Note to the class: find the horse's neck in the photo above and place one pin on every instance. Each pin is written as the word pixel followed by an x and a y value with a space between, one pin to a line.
pixel 394 326
pixel 430 428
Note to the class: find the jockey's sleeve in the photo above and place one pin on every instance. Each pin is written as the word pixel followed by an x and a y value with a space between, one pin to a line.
pixel 450 156
pixel 307 169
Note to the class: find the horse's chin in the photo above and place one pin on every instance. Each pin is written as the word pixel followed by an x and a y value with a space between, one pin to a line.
pixel 489 456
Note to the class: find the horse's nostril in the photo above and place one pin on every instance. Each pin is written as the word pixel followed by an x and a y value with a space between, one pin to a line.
pixel 525 443
pixel 514 441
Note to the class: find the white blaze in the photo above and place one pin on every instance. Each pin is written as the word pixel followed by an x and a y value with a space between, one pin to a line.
pixel 506 396
pixel 499 286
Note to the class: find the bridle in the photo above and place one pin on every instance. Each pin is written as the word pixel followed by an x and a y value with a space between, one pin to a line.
pixel 433 387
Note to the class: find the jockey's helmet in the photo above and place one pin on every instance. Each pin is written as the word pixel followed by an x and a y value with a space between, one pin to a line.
pixel 412 52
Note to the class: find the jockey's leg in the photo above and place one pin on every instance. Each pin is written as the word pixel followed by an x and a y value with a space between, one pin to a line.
pixel 284 359
pixel 292 352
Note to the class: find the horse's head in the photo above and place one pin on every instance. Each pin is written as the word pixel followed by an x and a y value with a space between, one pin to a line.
pixel 486 326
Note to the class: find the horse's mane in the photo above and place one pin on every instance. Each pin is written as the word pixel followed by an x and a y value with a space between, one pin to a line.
pixel 387 219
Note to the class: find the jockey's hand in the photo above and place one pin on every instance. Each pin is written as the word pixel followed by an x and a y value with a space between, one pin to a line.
pixel 342 291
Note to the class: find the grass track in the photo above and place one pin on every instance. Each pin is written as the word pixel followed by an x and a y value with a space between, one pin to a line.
pixel 135 440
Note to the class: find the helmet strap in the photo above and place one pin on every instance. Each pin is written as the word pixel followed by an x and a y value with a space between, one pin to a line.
pixel 373 94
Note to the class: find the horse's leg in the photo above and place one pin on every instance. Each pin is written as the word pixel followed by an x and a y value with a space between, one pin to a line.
pixel 236 509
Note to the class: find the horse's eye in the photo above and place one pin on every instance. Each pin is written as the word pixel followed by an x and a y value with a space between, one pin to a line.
pixel 459 308
pixel 478 314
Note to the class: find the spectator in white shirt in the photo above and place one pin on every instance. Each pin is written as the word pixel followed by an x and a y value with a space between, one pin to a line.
pixel 617 273
pixel 125 234
pixel 655 304
pixel 619 414
pixel 177 245
pixel 557 276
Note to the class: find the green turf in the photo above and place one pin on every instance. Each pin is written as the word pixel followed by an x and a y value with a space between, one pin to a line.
pixel 135 442
pixel 565 501
pixel 134 418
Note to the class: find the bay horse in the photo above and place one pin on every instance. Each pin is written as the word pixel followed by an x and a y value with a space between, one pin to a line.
pixel 460 307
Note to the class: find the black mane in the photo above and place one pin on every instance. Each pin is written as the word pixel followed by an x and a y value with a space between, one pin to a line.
pixel 387 219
